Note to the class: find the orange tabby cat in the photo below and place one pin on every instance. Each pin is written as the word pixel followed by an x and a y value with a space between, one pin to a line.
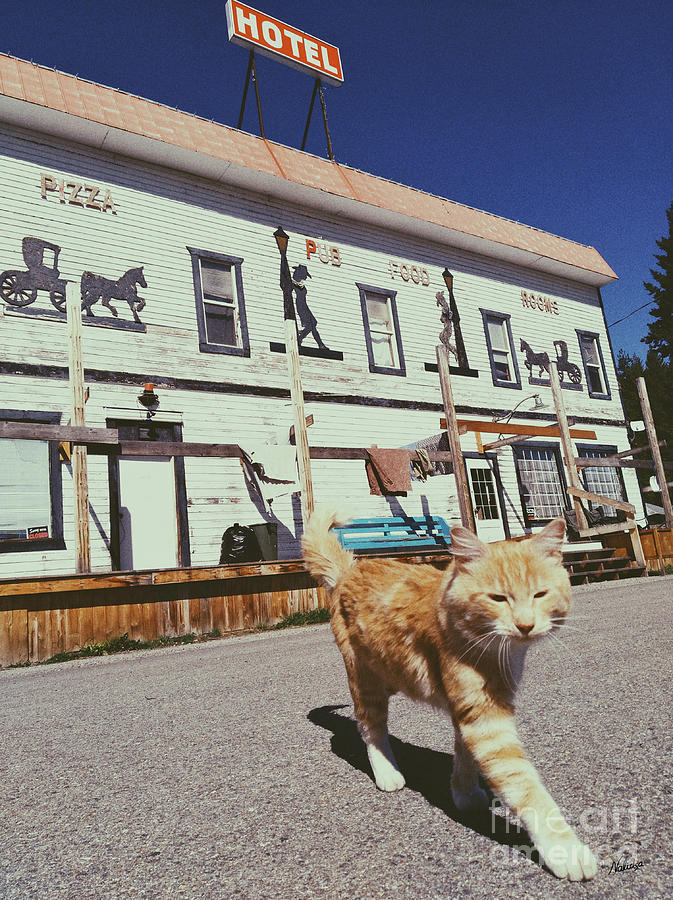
pixel 457 640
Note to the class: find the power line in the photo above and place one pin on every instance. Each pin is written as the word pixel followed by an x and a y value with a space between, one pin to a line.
pixel 632 313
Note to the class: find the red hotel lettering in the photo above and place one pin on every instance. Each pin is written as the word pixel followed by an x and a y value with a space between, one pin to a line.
pixel 251 28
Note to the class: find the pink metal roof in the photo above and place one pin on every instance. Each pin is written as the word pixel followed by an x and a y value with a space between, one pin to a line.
pixel 95 103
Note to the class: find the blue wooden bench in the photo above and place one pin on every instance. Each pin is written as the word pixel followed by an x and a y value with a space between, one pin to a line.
pixel 395 533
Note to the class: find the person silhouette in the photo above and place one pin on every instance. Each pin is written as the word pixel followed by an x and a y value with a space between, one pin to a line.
pixel 309 323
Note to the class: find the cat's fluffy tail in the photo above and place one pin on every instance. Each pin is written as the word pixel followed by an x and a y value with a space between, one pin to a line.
pixel 325 558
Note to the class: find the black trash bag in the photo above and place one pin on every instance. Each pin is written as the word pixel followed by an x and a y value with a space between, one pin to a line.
pixel 239 545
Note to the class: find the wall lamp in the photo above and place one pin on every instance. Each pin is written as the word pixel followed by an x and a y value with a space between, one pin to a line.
pixel 537 404
pixel 149 400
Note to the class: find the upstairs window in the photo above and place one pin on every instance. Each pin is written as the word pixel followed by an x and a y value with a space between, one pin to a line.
pixel 504 368
pixel 31 509
pixel 220 307
pixel 382 331
pixel 594 366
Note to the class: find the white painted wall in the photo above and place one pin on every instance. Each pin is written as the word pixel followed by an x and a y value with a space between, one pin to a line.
pixel 159 214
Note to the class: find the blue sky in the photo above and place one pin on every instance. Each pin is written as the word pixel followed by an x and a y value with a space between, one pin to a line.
pixel 556 114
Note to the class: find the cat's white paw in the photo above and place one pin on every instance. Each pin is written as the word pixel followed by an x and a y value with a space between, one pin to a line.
pixel 390 781
pixel 569 858
pixel 386 774
pixel 472 801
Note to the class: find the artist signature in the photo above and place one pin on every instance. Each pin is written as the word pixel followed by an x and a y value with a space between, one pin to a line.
pixel 622 865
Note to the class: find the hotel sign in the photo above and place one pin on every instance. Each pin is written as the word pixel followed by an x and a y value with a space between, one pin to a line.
pixel 258 31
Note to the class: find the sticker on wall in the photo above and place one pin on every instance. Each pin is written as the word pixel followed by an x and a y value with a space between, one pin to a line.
pixel 295 302
pixel 540 360
pixel 41 280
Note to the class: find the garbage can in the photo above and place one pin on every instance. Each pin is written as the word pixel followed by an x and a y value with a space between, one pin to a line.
pixel 267 538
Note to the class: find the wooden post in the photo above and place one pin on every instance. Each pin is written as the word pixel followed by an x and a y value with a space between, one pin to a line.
pixel 464 501
pixel 300 431
pixel 656 453
pixel 79 453
pixel 566 444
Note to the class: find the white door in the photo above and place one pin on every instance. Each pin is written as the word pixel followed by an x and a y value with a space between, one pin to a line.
pixel 148 521
pixel 485 499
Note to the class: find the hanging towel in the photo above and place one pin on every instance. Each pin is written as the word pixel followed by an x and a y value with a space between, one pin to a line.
pixel 421 466
pixel 388 471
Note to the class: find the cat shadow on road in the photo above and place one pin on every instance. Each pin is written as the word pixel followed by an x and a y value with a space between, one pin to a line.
pixel 427 772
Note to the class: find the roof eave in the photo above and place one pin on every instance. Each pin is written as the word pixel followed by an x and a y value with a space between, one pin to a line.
pixel 69 127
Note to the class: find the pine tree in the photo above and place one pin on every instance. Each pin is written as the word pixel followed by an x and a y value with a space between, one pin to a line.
pixel 660 331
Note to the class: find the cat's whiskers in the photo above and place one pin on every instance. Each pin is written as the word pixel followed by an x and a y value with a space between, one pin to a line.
pixel 474 643
pixel 494 635
pixel 504 663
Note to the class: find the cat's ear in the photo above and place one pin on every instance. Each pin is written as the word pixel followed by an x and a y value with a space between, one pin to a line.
pixel 549 541
pixel 465 545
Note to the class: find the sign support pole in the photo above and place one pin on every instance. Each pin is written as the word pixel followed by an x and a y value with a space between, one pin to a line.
pixel 317 89
pixel 252 72
pixel 79 452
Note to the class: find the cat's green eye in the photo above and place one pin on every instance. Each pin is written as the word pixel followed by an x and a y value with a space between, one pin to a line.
pixel 540 594
pixel 500 598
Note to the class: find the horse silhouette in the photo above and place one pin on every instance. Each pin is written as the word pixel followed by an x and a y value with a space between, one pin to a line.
pixel 96 287
pixel 541 360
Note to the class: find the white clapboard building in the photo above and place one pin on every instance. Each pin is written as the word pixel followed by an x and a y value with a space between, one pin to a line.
pixel 165 223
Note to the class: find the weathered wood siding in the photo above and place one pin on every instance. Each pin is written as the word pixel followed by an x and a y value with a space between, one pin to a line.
pixel 229 399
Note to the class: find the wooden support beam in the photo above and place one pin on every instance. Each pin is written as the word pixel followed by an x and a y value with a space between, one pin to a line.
pixel 76 434
pixel 614 462
pixel 566 444
pixel 79 456
pixel 465 425
pixel 297 395
pixel 659 470
pixel 628 508
pixel 451 425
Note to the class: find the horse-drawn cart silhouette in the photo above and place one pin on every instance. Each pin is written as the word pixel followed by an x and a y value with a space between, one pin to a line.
pixel 564 366
pixel 542 363
pixel 20 288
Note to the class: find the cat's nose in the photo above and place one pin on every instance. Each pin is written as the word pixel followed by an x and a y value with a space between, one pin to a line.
pixel 525 629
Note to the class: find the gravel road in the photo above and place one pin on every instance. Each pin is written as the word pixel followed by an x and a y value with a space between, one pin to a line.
pixel 233 770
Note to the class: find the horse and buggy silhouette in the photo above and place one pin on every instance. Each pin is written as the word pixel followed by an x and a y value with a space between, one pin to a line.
pixel 542 362
pixel 19 288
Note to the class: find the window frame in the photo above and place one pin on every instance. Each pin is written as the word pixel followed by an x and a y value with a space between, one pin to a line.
pixel 609 450
pixel 57 540
pixel 556 450
pixel 236 262
pixel 391 296
pixel 596 395
pixel 506 319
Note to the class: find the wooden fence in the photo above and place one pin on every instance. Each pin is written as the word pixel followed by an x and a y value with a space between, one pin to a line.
pixel 42 617
pixel 657 546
